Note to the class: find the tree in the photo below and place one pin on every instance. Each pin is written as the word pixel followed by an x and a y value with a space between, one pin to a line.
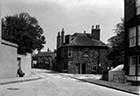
pixel 23 30
pixel 117 50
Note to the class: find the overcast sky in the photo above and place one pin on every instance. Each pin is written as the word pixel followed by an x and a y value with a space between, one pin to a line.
pixel 72 15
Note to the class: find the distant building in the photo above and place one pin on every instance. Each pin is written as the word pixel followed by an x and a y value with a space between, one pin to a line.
pixel 81 52
pixel 43 60
pixel 132 30
pixel 112 40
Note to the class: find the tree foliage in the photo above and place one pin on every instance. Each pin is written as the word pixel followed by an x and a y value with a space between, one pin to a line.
pixel 23 30
pixel 117 49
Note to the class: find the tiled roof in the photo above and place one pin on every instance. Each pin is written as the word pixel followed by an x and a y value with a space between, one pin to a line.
pixel 84 39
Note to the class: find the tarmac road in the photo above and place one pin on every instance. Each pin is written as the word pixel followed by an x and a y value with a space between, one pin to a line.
pixel 53 84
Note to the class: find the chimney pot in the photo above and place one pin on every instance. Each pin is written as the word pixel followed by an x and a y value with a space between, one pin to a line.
pixel 92 26
pixel 96 26
pixel 62 29
pixel 84 31
pixel 58 33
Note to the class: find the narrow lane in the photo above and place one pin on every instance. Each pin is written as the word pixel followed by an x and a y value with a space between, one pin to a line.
pixel 54 84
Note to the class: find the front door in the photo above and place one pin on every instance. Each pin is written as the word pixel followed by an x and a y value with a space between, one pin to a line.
pixel 83 68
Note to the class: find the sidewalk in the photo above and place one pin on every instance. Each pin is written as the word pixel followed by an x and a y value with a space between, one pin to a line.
pixel 95 79
pixel 19 79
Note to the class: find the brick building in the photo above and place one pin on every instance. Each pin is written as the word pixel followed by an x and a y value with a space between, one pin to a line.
pixel 132 35
pixel 81 53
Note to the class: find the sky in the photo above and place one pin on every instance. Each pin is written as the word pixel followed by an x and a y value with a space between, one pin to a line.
pixel 72 15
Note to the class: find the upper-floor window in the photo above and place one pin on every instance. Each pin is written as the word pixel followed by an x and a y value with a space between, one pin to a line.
pixel 69 52
pixel 132 60
pixel 137 7
pixel 132 37
pixel 138 65
pixel 139 35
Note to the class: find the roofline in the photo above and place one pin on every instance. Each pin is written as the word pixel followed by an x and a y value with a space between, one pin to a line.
pixel 83 46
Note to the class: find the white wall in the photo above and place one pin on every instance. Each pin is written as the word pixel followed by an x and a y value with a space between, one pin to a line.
pixel 8 60
pixel 8 57
pixel 26 64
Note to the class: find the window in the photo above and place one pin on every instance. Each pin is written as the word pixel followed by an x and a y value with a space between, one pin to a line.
pixel 138 65
pixel 137 7
pixel 132 65
pixel 132 37
pixel 85 54
pixel 139 60
pixel 132 60
pixel 69 53
pixel 139 35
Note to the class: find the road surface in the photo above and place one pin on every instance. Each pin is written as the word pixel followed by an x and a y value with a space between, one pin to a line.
pixel 53 84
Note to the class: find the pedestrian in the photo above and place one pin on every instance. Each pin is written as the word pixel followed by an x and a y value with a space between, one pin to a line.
pixel 20 73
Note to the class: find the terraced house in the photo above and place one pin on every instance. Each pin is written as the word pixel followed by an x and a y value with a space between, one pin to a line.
pixel 81 53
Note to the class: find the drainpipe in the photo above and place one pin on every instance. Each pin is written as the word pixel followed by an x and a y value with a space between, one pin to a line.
pixel 98 60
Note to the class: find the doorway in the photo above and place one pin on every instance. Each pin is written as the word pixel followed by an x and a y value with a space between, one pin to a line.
pixel 83 68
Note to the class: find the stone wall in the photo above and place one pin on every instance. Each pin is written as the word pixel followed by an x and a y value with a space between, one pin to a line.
pixel 103 59
pixel 87 56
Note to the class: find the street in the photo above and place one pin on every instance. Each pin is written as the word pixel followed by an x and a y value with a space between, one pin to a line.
pixel 54 84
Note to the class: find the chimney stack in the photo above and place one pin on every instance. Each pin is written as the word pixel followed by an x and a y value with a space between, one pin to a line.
pixel 58 40
pixel 95 32
pixel 67 39
pixel 62 36
pixel 84 31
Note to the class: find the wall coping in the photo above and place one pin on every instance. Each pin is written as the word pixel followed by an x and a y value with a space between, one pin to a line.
pixel 21 55
pixel 9 43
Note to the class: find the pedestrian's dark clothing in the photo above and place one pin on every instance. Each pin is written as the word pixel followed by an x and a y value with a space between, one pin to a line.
pixel 20 72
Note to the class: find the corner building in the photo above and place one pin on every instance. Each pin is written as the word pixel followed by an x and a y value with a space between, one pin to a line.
pixel 81 53
pixel 132 40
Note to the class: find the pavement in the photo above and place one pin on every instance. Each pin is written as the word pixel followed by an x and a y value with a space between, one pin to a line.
pixel 90 78
pixel 96 79
pixel 19 79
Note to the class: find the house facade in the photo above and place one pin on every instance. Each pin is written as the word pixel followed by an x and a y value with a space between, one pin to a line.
pixel 43 60
pixel 81 53
pixel 132 39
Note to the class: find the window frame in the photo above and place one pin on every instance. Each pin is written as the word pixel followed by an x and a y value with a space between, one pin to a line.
pixel 138 60
pixel 69 52
pixel 138 35
pixel 132 36
pixel 137 7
